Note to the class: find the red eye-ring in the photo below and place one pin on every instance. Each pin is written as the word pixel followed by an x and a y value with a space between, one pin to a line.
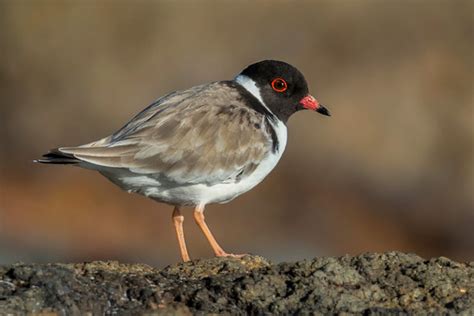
pixel 279 85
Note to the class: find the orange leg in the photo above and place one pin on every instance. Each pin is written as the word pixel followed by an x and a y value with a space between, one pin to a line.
pixel 178 220
pixel 199 217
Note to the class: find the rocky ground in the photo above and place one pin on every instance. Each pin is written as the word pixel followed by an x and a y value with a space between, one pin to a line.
pixel 370 284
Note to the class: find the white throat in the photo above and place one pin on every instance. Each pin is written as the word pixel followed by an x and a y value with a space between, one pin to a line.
pixel 251 87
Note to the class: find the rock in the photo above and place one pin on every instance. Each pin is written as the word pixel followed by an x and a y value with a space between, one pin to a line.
pixel 370 284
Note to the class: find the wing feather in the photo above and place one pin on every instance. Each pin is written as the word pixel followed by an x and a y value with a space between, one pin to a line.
pixel 201 135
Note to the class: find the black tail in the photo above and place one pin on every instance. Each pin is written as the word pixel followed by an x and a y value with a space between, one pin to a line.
pixel 54 156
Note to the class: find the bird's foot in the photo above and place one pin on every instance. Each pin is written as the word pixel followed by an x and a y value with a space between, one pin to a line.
pixel 232 255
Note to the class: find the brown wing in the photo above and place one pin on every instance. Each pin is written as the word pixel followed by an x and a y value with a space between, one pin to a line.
pixel 201 135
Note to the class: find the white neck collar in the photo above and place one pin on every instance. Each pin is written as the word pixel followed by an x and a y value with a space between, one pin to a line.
pixel 251 87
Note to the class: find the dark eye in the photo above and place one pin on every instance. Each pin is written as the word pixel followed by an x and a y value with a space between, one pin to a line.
pixel 279 85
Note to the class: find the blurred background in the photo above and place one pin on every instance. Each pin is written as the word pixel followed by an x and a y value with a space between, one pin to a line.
pixel 392 169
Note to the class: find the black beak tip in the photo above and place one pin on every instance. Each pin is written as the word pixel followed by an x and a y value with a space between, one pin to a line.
pixel 322 110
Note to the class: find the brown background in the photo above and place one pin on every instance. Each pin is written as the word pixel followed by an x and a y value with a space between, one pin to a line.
pixel 392 169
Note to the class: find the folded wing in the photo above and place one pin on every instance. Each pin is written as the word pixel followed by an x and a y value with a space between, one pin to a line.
pixel 201 135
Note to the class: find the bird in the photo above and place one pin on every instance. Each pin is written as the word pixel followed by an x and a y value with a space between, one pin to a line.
pixel 206 144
